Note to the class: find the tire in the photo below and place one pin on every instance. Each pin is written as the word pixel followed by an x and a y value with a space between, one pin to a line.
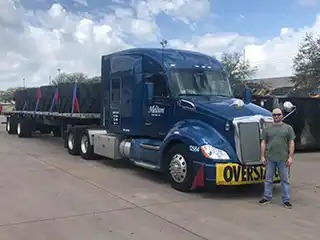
pixel 65 97
pixel 20 97
pixel 86 150
pixel 24 128
pixel 89 97
pixel 11 126
pixel 73 143
pixel 177 156
pixel 47 93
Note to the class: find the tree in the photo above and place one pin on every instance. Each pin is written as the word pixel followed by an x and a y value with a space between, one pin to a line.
pixel 95 79
pixel 237 71
pixel 306 63
pixel 7 95
pixel 73 77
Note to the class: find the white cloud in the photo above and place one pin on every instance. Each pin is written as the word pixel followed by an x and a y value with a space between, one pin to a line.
pixel 273 57
pixel 34 44
pixel 185 10
pixel 307 2
pixel 81 2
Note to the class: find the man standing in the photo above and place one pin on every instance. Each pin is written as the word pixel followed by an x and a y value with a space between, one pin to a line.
pixel 277 148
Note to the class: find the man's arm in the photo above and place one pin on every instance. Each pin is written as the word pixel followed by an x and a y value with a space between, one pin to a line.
pixel 263 146
pixel 291 148
pixel 291 138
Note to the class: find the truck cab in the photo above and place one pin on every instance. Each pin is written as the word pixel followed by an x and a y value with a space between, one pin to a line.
pixel 174 111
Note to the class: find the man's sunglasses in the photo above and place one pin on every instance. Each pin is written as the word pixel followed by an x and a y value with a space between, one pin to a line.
pixel 276 114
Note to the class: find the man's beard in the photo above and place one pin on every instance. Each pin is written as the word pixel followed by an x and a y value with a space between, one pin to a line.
pixel 278 120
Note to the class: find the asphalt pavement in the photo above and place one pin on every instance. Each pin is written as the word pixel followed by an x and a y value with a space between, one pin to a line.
pixel 47 194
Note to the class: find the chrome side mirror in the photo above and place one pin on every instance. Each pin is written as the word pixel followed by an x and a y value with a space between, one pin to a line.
pixel 288 107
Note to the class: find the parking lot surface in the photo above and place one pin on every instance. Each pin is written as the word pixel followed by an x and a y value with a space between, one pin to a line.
pixel 47 194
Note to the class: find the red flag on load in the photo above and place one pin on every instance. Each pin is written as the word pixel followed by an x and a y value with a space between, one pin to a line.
pixel 76 105
pixel 39 94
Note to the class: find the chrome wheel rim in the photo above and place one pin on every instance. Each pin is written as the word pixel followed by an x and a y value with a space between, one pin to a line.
pixel 84 144
pixel 19 128
pixel 8 126
pixel 178 168
pixel 70 141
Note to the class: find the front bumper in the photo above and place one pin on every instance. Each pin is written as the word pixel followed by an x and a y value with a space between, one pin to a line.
pixel 232 174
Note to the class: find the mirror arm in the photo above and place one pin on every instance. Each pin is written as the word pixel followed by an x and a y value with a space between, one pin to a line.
pixel 292 111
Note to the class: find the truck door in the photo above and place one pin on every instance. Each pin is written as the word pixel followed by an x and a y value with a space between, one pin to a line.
pixel 159 114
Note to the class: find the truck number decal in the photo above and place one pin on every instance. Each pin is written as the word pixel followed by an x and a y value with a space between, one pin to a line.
pixel 193 148
pixel 156 111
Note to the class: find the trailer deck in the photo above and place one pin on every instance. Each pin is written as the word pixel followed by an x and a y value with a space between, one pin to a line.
pixel 53 114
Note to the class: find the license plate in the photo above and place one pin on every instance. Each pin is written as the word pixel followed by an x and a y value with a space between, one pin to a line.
pixel 235 174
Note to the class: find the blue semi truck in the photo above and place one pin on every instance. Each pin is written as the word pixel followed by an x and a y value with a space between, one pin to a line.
pixel 166 110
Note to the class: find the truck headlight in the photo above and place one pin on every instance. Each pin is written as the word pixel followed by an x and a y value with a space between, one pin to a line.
pixel 214 153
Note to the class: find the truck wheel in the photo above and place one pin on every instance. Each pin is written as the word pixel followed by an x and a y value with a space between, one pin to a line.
pixel 11 126
pixel 73 144
pixel 24 129
pixel 180 169
pixel 86 150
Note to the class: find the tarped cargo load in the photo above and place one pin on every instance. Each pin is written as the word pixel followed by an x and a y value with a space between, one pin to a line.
pixel 80 97
pixel 46 96
pixel 20 97
pixel 64 98
pixel 32 99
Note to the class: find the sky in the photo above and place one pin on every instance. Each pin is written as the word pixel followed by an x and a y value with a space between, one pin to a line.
pixel 38 37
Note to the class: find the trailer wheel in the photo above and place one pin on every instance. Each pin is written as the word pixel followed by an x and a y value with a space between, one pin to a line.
pixel 180 168
pixel 11 126
pixel 24 129
pixel 73 144
pixel 86 150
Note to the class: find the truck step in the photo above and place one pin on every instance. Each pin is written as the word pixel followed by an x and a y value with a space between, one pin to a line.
pixel 146 165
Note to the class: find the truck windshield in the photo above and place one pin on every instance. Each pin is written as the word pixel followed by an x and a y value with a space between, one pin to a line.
pixel 199 82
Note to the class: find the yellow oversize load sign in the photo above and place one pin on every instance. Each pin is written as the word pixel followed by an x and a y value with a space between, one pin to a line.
pixel 235 174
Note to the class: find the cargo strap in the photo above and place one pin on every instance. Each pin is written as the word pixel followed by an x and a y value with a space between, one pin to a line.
pixel 75 102
pixel 24 105
pixel 54 99
pixel 38 96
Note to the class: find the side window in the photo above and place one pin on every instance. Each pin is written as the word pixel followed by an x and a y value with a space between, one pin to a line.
pixel 160 87
pixel 116 91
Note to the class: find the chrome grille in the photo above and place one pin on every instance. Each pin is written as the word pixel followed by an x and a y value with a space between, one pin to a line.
pixel 247 138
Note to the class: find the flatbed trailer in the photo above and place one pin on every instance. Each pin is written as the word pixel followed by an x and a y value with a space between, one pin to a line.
pixel 166 110
pixel 53 115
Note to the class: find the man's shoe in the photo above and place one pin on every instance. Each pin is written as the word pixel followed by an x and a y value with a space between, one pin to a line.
pixel 264 201
pixel 287 205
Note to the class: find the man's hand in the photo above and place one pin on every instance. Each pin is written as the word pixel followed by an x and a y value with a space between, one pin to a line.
pixel 264 161
pixel 290 161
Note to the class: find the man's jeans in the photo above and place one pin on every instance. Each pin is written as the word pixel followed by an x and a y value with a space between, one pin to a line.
pixel 284 176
